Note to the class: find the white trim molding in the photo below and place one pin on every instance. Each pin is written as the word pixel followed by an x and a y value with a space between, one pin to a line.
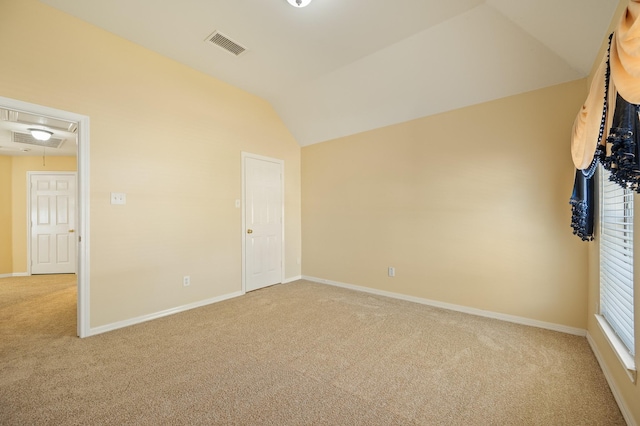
pixel 621 351
pixel 15 274
pixel 458 308
pixel 292 279
pixel 167 312
pixel 84 245
pixel 624 409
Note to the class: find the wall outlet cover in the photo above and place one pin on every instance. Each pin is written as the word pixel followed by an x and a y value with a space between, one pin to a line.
pixel 118 198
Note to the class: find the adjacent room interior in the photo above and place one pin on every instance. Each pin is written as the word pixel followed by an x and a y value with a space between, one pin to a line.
pixel 400 188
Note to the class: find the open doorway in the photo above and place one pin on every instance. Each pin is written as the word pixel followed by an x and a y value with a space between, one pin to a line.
pixel 69 136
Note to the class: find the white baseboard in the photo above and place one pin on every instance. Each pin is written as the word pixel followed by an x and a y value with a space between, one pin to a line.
pixel 292 279
pixel 626 413
pixel 149 317
pixel 458 308
pixel 15 274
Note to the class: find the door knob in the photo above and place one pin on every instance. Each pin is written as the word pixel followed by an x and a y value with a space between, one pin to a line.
pixel 72 230
pixel 249 231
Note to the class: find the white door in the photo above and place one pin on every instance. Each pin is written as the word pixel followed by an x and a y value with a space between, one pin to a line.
pixel 263 222
pixel 53 237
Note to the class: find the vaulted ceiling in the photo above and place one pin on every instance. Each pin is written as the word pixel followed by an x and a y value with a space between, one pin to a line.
pixel 339 67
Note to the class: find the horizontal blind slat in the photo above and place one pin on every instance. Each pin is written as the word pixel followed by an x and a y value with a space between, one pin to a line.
pixel 625 304
pixel 617 281
pixel 618 245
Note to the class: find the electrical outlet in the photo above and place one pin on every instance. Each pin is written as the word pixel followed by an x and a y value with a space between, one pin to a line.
pixel 392 271
pixel 118 198
pixel 186 281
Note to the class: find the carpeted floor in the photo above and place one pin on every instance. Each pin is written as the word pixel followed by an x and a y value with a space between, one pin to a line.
pixel 293 354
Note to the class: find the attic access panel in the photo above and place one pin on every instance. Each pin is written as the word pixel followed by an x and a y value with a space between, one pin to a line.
pixel 36 120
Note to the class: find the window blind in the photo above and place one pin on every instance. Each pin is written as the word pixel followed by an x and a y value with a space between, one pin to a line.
pixel 616 258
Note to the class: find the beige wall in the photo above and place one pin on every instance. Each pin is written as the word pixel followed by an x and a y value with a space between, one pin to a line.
pixel 20 167
pixel 6 258
pixel 627 391
pixel 470 207
pixel 170 138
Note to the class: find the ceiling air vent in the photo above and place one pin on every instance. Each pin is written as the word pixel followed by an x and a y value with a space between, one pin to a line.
pixel 28 139
pixel 226 43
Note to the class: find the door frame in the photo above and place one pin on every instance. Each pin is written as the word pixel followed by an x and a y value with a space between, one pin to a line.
pixel 82 199
pixel 29 206
pixel 244 156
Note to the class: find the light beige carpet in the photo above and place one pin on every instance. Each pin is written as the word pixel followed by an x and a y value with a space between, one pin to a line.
pixel 294 354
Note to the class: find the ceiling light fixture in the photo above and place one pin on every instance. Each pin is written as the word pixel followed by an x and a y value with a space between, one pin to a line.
pixel 41 135
pixel 299 3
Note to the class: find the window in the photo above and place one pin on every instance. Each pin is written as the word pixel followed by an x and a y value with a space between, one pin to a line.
pixel 616 267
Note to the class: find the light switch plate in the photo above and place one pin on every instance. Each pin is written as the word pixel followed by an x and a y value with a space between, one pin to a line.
pixel 118 198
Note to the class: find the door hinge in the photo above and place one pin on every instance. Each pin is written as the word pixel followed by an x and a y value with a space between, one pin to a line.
pixel 79 239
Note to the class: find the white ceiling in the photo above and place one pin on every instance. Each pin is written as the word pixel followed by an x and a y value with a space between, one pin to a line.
pixel 339 67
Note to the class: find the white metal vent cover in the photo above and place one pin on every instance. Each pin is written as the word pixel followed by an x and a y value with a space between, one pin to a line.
pixel 224 42
pixel 30 140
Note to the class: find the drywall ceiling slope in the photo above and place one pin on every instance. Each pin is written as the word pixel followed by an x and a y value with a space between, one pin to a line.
pixel 337 67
